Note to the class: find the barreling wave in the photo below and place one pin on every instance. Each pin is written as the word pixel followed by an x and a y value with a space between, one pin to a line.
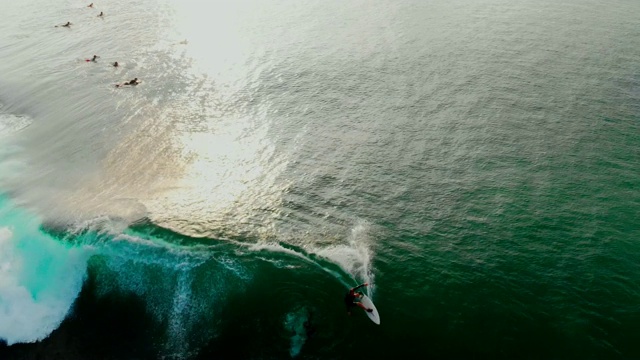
pixel 184 282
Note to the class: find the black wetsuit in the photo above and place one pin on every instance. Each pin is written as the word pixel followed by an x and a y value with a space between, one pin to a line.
pixel 348 300
pixel 351 296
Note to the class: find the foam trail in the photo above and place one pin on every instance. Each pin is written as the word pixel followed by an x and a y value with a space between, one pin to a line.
pixel 354 257
pixel 275 247
pixel 294 322
pixel 40 279
pixel 177 327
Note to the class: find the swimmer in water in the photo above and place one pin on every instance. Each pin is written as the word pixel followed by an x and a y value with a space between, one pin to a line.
pixel 101 14
pixel 133 82
pixel 94 58
pixel 115 64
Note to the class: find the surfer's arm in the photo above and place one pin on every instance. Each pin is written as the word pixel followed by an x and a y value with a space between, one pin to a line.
pixel 359 286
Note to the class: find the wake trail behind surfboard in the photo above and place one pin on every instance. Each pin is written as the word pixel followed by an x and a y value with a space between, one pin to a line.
pixel 349 263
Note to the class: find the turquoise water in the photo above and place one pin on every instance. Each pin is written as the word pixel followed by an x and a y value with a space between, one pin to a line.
pixel 475 162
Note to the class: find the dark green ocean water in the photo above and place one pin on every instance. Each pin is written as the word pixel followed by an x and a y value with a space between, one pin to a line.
pixel 476 162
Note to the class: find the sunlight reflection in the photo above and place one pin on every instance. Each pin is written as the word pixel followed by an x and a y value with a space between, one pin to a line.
pixel 229 179
pixel 224 165
pixel 216 38
pixel 221 138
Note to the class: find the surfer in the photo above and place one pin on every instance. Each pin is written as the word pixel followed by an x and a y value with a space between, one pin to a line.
pixel 101 14
pixel 94 58
pixel 115 64
pixel 350 299
pixel 90 5
pixel 130 82
pixel 68 24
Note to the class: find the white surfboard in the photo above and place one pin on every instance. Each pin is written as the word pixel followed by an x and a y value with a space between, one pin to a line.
pixel 374 316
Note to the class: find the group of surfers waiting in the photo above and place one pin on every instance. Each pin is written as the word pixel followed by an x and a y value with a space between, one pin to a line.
pixel 132 82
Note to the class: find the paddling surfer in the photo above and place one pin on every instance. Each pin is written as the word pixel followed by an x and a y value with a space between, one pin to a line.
pixel 130 82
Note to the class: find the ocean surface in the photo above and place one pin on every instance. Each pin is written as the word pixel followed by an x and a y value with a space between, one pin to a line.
pixel 477 162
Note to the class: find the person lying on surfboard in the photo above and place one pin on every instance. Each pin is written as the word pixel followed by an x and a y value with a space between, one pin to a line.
pixel 133 82
pixel 352 295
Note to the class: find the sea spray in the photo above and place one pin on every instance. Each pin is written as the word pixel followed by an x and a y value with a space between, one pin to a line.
pixel 354 257
pixel 40 278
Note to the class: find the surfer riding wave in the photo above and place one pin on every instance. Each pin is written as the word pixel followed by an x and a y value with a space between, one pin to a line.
pixel 352 299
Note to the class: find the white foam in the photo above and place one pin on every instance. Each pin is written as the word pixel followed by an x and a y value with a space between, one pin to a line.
pixel 294 324
pixel 39 281
pixel 353 257
pixel 179 323
pixel 11 123
pixel 275 247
